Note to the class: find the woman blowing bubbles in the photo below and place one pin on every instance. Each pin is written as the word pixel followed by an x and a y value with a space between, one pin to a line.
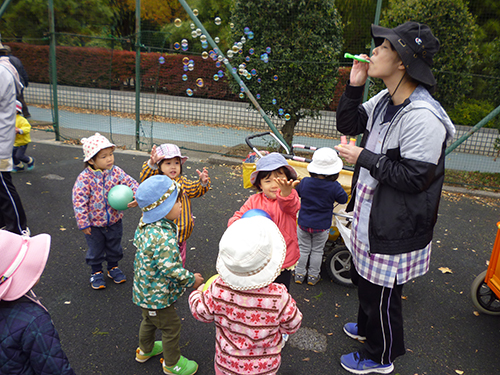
pixel 399 173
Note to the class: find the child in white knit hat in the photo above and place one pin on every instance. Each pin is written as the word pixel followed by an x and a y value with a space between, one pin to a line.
pixel 250 311
pixel 100 223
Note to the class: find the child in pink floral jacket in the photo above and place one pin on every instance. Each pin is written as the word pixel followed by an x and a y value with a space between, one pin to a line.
pixel 101 224
pixel 251 312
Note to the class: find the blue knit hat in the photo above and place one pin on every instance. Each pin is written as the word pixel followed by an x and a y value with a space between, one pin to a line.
pixel 156 196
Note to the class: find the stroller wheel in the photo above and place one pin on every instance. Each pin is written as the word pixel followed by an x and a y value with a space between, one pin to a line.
pixel 483 297
pixel 338 264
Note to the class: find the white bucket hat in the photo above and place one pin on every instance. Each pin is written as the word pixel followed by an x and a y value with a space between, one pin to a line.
pixel 92 145
pixel 251 253
pixel 325 161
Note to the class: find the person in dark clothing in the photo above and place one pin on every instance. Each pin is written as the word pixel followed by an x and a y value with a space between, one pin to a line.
pixel 23 76
pixel 397 182
pixel 29 342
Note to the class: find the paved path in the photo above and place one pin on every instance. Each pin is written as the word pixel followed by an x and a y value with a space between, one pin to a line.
pixel 206 136
pixel 99 328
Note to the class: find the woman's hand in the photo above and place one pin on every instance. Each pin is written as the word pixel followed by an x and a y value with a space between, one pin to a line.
pixel 359 72
pixel 350 153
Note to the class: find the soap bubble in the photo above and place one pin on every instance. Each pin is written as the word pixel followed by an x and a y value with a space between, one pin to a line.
pixel 204 54
pixel 254 72
pixel 189 92
pixel 259 80
pixel 177 45
pixel 274 101
pixel 287 117
pixel 247 59
pixel 242 96
pixel 184 47
pixel 218 64
pixel 275 78
pixel 268 49
pixel 216 77
pixel 220 73
pixel 185 60
pixel 257 96
pixel 203 38
pixel 234 48
pixel 190 67
pixel 199 82
pixel 242 66
pixel 234 70
pixel 239 45
pixel 185 67
pixel 220 58
pixel 198 32
pixel 184 77
pixel 264 57
pixel 216 40
pixel 192 26
pixel 162 60
pixel 281 111
pixel 243 39
pixel 246 30
pixel 195 12
pixel 248 76
pixel 225 61
pixel 194 34
pixel 184 41
pixel 178 22
pixel 217 21
pixel 250 35
pixel 231 25
pixel 251 51
pixel 204 45
pixel 230 53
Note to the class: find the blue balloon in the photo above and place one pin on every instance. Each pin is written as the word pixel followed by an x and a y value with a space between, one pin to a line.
pixel 256 212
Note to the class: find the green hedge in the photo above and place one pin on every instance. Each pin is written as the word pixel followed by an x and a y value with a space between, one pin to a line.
pixel 113 69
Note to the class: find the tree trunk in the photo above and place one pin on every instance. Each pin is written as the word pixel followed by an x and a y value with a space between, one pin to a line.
pixel 288 129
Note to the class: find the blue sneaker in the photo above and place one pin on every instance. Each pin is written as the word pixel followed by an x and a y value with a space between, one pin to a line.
pixel 351 330
pixel 18 168
pixel 97 280
pixel 117 275
pixel 356 364
pixel 31 164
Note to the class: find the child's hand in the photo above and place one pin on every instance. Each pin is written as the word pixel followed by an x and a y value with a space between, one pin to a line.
pixel 203 176
pixel 87 231
pixel 132 204
pixel 18 130
pixel 198 280
pixel 154 156
pixel 285 186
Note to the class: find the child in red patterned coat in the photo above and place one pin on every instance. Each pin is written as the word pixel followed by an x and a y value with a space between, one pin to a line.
pixel 250 311
pixel 101 224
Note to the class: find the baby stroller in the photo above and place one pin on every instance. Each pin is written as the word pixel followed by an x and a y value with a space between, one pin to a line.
pixel 485 290
pixel 337 256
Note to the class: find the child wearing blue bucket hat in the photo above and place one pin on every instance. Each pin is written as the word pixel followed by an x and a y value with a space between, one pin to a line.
pixel 159 277
pixel 275 179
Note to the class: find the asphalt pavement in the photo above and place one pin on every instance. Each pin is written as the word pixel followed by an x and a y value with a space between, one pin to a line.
pixel 99 329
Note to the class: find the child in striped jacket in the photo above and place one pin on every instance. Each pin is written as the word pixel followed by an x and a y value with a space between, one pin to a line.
pixel 167 160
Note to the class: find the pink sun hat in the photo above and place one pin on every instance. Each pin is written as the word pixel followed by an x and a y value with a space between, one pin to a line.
pixel 22 263
pixel 92 145
pixel 169 151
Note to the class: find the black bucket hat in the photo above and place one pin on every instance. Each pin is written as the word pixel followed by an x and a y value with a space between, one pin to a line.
pixel 416 45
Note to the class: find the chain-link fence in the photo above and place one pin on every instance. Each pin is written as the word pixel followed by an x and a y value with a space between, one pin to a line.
pixel 186 96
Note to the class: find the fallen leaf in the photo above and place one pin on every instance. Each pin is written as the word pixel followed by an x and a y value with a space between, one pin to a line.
pixel 459 372
pixel 329 333
pixel 404 297
pixel 67 302
pixel 62 229
pixel 445 270
pixel 305 359
pixel 28 183
pixel 476 313
pixel 305 299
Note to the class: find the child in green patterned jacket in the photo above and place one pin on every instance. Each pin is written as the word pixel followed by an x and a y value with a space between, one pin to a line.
pixel 159 278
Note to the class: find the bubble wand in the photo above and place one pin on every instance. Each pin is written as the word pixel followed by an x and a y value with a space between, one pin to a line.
pixel 356 57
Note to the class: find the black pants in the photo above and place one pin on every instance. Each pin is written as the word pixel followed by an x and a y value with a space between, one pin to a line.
pixel 380 320
pixel 12 214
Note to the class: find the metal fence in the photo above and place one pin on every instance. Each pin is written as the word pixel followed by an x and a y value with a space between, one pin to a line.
pixel 194 116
